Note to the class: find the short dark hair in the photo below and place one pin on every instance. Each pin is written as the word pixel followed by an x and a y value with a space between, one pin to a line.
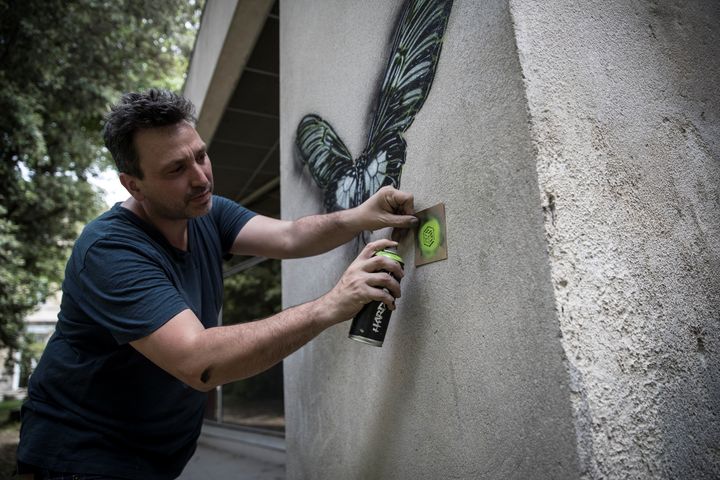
pixel 139 110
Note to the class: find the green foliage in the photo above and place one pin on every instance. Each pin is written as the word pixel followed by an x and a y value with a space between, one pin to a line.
pixel 62 64
pixel 6 407
pixel 263 387
pixel 253 294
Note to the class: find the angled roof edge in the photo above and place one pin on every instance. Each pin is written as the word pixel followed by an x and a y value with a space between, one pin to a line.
pixel 228 32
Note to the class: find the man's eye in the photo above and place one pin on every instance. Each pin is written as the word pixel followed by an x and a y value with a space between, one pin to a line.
pixel 177 169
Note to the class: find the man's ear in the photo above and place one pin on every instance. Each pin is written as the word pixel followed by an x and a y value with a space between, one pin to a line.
pixel 131 184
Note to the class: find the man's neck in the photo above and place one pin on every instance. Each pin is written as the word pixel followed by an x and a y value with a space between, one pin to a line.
pixel 175 231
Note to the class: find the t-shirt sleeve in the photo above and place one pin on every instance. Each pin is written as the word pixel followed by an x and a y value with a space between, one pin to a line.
pixel 127 291
pixel 230 218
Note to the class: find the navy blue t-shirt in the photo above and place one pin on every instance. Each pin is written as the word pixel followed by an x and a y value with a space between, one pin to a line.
pixel 95 404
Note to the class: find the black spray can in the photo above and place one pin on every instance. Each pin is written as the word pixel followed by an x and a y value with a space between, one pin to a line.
pixel 371 323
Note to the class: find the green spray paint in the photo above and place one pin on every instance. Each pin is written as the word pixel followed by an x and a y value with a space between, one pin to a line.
pixel 430 237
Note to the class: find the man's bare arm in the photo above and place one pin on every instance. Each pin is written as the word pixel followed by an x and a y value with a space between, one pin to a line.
pixel 315 234
pixel 204 358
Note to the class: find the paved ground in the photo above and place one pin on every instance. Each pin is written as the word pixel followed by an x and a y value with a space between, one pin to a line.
pixel 222 454
pixel 9 435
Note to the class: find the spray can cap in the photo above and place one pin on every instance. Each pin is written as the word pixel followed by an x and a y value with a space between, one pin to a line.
pixel 390 253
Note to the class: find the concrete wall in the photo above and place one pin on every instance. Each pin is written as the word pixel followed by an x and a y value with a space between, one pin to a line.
pixel 471 381
pixel 624 108
pixel 573 331
pixel 229 31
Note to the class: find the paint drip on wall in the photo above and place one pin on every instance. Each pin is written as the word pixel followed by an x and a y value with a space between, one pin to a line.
pixel 347 182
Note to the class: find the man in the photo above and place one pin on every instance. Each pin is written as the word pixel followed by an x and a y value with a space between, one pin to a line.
pixel 119 390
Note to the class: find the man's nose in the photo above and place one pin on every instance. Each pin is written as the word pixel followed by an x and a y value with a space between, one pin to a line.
pixel 198 176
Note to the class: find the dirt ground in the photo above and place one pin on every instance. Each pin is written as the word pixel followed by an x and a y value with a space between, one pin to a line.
pixel 9 436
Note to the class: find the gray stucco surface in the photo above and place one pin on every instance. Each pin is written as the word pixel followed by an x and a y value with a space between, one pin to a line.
pixel 573 331
pixel 624 101
pixel 471 382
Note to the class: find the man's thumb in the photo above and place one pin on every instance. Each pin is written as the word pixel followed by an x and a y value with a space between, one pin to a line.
pixel 404 221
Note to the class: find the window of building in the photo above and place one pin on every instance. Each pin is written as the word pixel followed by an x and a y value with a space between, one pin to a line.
pixel 252 292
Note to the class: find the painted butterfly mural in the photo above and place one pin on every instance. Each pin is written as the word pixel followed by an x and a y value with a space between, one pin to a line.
pixel 409 73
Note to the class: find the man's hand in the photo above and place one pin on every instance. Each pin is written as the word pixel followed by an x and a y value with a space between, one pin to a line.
pixel 363 282
pixel 389 207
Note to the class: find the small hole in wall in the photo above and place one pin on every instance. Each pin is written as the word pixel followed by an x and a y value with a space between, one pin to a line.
pixel 550 208
pixel 551 201
pixel 700 344
pixel 699 334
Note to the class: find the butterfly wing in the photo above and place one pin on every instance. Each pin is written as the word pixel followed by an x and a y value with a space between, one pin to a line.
pixel 329 163
pixel 408 77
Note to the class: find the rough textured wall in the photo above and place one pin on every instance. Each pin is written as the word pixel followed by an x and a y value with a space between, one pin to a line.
pixel 624 107
pixel 471 381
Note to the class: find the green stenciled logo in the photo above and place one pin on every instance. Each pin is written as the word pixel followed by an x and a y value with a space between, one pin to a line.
pixel 430 237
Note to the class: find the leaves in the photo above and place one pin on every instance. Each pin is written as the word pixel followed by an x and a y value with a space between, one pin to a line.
pixel 253 294
pixel 62 64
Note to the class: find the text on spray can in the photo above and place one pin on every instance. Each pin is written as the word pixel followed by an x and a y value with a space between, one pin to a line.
pixel 371 323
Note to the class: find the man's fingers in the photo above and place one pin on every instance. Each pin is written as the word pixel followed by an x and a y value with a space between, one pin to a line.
pixel 375 246
pixel 385 280
pixel 401 202
pixel 382 295
pixel 381 263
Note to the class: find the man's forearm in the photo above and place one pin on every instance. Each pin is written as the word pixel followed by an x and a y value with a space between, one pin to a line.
pixel 235 352
pixel 317 234
pixel 388 207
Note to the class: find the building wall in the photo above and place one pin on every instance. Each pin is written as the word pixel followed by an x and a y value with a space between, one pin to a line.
pixel 573 331
pixel 40 325
pixel 624 107
pixel 471 381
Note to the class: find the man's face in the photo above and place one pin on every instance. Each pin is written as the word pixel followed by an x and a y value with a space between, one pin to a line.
pixel 177 176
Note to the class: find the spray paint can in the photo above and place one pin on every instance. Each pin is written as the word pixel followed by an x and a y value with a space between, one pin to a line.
pixel 371 323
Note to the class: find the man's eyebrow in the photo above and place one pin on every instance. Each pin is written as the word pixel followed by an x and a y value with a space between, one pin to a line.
pixel 172 164
pixel 202 149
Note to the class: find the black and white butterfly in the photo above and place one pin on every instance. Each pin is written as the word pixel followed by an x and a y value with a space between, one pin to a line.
pixel 410 70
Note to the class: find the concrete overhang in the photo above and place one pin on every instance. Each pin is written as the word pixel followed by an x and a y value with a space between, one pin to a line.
pixel 233 80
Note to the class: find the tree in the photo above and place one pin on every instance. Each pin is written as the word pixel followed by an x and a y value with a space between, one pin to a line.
pixel 62 64
pixel 252 294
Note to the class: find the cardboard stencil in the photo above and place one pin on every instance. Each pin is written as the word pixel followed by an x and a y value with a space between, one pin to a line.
pixel 431 235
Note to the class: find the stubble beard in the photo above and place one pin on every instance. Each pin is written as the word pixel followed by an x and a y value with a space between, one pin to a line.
pixel 186 209
pixel 191 210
